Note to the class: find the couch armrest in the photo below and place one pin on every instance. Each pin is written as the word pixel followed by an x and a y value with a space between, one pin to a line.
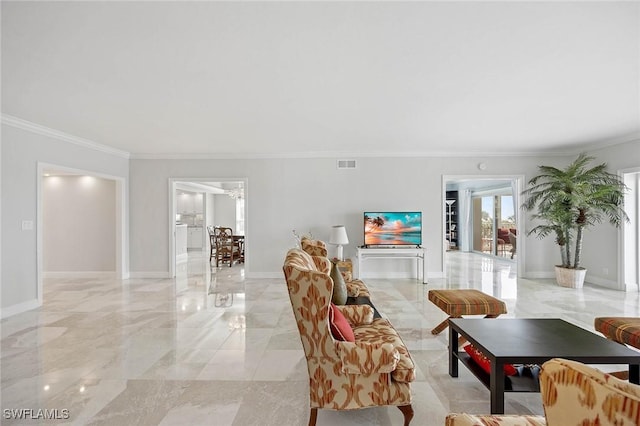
pixel 463 419
pixel 357 314
pixel 367 358
pixel 356 288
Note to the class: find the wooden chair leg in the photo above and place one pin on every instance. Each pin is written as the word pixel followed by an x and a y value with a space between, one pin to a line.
pixel 313 417
pixel 407 411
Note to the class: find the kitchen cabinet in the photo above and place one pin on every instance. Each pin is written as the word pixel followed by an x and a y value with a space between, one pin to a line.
pixel 182 203
pixel 181 242
pixel 190 203
pixel 198 203
pixel 194 237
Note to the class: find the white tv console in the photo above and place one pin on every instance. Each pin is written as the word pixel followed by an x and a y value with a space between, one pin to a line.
pixel 417 253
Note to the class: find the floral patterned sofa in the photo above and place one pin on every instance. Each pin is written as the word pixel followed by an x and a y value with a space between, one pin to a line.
pixel 372 370
pixel 355 287
pixel 572 394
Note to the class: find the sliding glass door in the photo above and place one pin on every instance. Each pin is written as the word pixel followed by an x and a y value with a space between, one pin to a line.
pixel 494 226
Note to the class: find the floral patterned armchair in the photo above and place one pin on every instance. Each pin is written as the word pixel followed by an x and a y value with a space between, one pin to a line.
pixel 376 369
pixel 572 394
pixel 355 287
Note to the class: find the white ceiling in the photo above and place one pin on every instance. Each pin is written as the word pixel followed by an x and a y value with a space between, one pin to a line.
pixel 313 78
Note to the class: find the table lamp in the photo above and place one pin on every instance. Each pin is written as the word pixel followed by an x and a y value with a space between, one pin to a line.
pixel 338 237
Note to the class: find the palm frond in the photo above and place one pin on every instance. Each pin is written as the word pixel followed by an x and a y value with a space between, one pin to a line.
pixel 571 199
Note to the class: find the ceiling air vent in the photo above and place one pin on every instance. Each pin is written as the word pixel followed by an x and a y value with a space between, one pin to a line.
pixel 346 164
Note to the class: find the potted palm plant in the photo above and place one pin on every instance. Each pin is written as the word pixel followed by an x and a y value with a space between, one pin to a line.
pixel 568 201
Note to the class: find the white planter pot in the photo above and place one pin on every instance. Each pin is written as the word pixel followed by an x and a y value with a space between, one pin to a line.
pixel 572 278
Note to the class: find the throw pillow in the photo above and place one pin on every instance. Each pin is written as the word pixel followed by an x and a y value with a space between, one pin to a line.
pixel 484 362
pixel 340 327
pixel 339 295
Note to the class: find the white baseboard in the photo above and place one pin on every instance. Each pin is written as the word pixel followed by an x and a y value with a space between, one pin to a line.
pixel 270 275
pixel 154 275
pixel 632 288
pixel 601 282
pixel 404 275
pixel 80 274
pixel 19 308
pixel 540 275
pixel 390 275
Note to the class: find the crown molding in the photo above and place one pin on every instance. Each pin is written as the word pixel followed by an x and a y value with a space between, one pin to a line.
pixel 566 151
pixel 29 126
pixel 342 154
pixel 611 142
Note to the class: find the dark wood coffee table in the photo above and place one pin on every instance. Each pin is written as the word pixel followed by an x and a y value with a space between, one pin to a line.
pixel 530 341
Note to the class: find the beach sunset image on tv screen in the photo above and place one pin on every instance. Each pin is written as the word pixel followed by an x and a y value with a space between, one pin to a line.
pixel 393 228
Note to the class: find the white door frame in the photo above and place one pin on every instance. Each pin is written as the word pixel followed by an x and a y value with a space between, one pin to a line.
pixel 173 211
pixel 519 180
pixel 622 255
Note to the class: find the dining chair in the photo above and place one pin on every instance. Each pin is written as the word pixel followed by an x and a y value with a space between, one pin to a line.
pixel 226 249
pixel 212 242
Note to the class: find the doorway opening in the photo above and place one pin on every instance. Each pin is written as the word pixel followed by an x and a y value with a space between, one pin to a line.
pixel 481 215
pixel 196 206
pixel 494 224
pixel 630 233
pixel 81 224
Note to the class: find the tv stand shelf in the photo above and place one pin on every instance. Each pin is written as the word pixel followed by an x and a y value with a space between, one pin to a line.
pixel 417 253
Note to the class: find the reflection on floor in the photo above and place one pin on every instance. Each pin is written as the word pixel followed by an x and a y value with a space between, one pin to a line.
pixel 215 347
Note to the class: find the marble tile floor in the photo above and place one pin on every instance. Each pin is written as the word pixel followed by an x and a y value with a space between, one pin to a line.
pixel 212 347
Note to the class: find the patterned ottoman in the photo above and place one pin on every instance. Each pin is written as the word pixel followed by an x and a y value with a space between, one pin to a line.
pixel 625 330
pixel 457 303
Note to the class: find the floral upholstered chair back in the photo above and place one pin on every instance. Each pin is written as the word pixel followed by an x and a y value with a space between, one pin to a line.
pixel 572 394
pixel 318 248
pixel 577 394
pixel 314 247
pixel 342 375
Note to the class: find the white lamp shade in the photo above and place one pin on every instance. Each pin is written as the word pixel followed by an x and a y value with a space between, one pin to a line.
pixel 338 235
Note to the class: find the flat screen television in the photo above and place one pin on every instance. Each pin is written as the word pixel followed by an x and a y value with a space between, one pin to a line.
pixel 392 228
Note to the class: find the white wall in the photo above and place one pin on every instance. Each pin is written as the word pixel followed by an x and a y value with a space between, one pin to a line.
pixel 282 195
pixel 209 207
pixel 312 195
pixel 600 244
pixel 21 152
pixel 79 223
pixel 225 211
